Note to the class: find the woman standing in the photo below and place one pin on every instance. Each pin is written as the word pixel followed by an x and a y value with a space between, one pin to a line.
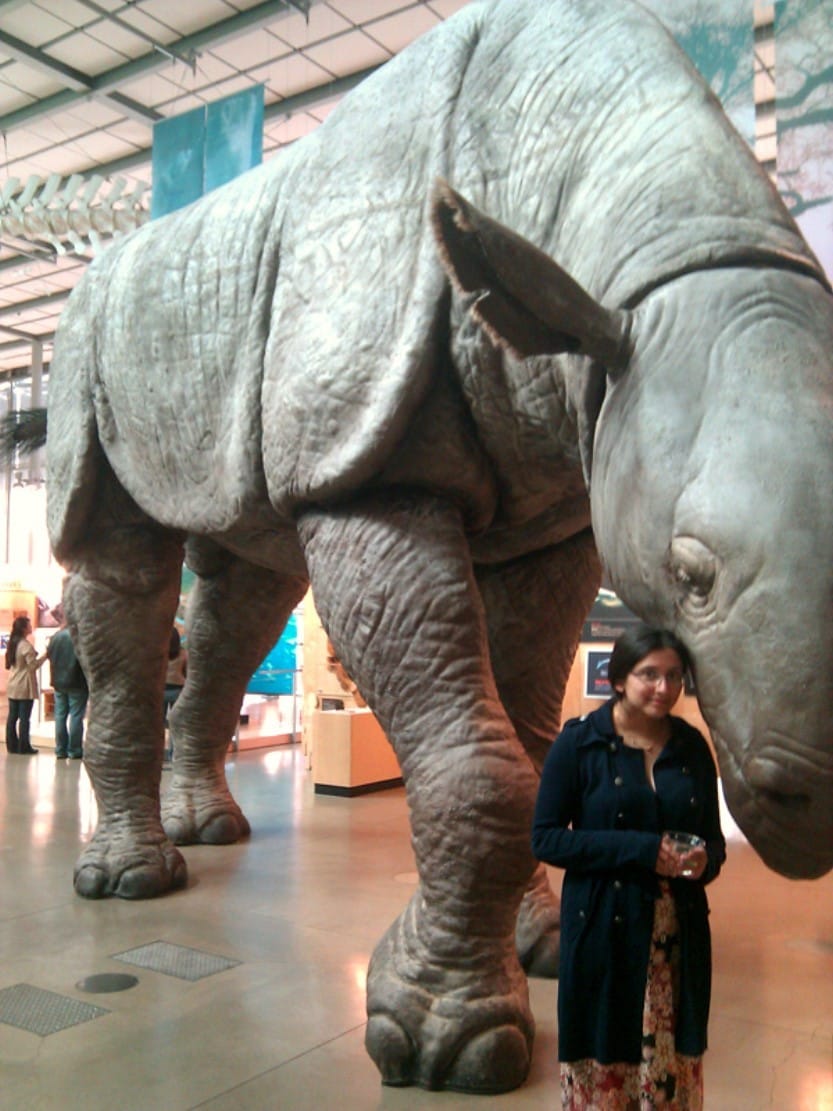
pixel 22 689
pixel 635 975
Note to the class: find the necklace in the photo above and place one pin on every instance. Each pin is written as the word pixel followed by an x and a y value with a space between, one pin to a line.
pixel 637 740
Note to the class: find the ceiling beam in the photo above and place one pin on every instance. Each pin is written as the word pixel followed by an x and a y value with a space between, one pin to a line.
pixel 16 344
pixel 19 334
pixel 42 302
pixel 52 67
pixel 288 106
pixel 299 102
pixel 77 84
pixel 109 81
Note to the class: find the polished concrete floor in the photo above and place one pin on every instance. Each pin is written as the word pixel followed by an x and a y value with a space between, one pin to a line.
pixel 295 912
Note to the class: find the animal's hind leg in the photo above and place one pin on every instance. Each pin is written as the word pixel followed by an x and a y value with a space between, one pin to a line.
pixel 535 607
pixel 120 600
pixel 224 647
pixel 447 999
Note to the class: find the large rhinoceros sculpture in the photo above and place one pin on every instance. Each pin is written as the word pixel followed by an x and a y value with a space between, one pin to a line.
pixel 283 381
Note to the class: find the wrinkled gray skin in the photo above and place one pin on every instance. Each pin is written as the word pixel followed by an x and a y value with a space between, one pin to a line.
pixel 282 379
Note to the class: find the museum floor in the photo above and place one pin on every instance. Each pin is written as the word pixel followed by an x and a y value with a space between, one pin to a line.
pixel 278 1021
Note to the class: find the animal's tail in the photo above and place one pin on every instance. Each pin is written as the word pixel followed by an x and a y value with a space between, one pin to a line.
pixel 24 431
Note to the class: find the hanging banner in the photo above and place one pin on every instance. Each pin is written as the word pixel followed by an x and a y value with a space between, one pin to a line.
pixel 718 36
pixel 203 149
pixel 233 136
pixel 177 156
pixel 804 118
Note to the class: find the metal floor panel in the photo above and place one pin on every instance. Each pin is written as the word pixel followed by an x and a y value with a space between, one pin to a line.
pixel 175 960
pixel 43 1012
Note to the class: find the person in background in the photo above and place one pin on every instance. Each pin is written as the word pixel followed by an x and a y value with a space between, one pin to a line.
pixel 22 662
pixel 71 694
pixel 174 679
pixel 635 963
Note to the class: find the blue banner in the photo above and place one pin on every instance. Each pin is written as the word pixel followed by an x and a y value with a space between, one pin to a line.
pixel 178 158
pixel 202 149
pixel 233 136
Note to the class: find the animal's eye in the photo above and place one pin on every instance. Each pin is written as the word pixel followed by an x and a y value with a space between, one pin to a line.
pixel 694 568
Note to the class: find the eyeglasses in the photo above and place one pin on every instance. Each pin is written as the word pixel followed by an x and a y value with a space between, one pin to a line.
pixel 652 677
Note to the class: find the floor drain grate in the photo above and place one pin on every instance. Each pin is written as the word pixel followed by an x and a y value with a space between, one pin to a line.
pixel 102 983
pixel 175 960
pixel 43 1012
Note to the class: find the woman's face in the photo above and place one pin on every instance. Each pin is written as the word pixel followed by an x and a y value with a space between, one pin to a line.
pixel 654 684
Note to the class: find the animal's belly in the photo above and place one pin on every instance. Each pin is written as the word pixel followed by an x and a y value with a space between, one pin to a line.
pixel 274 546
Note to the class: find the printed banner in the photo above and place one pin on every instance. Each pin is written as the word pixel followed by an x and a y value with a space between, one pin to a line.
pixel 804 118
pixel 233 136
pixel 202 149
pixel 719 37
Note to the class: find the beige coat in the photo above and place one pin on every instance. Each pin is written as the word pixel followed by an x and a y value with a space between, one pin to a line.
pixel 23 679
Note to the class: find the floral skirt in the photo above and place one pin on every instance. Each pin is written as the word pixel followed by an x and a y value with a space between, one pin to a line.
pixel 663 1078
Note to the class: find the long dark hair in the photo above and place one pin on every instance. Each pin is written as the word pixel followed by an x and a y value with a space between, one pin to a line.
pixel 635 644
pixel 18 634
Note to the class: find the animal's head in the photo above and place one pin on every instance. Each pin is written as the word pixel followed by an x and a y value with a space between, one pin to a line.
pixel 710 464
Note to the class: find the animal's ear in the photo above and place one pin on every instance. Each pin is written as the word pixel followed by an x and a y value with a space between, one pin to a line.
pixel 524 300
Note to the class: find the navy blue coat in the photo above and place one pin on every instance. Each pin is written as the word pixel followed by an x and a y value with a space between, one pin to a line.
pixel 598 817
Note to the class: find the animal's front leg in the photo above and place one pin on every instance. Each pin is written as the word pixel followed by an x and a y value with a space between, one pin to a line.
pixel 225 645
pixel 535 607
pixel 120 602
pixel 447 999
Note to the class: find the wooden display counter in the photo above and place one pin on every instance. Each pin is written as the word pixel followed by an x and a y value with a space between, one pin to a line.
pixel 350 754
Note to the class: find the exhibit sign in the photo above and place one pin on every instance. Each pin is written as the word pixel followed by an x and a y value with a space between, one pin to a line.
pixel 608 618
pixel 596 682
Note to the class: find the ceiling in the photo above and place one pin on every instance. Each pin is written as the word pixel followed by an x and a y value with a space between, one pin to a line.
pixel 82 83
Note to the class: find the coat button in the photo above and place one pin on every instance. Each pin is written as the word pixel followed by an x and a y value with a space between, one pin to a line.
pixel 693 800
pixel 620 817
pixel 618 781
pixel 612 746
pixel 685 770
pixel 581 914
pixel 617 885
pixel 617 918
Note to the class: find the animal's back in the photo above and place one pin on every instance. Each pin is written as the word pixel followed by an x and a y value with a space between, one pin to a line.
pixel 299 296
pixel 581 125
pixel 282 334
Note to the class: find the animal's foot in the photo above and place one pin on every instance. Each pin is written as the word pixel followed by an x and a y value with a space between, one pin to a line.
pixel 465 1029
pixel 538 931
pixel 202 813
pixel 113 864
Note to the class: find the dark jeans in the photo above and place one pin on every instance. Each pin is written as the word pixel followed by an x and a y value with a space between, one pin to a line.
pixel 69 705
pixel 20 710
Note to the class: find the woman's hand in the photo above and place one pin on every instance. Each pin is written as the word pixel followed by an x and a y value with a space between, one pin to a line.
pixel 668 859
pixel 690 865
pixel 693 864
